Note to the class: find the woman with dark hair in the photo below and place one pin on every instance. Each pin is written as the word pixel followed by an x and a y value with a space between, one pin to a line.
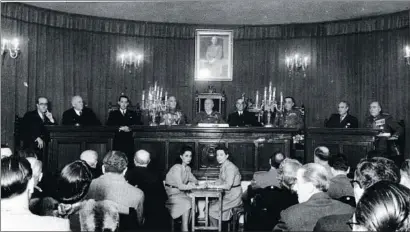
pixel 71 188
pixel 384 206
pixel 173 115
pixel 229 180
pixel 178 180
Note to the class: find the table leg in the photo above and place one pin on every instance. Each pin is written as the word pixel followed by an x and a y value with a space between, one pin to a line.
pixel 220 214
pixel 206 211
pixel 193 213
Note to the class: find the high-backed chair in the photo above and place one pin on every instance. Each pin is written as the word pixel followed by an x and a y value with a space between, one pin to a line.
pixel 218 98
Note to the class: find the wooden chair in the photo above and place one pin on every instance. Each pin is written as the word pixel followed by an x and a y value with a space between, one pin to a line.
pixel 218 98
pixel 233 224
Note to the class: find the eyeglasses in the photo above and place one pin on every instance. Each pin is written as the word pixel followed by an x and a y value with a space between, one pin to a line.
pixel 351 222
pixel 355 181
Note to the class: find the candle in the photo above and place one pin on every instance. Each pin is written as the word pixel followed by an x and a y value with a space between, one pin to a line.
pixel 160 94
pixel 264 95
pixel 143 95
pixel 274 94
pixel 166 96
pixel 407 51
pixel 281 100
pixel 270 91
pixel 257 99
pixel 155 86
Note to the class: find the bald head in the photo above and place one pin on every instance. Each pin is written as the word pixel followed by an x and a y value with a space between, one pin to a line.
pixel 77 103
pixel 90 157
pixel 37 167
pixel 142 158
pixel 6 152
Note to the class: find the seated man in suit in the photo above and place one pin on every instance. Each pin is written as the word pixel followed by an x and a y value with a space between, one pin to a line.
pixel 91 158
pixel 209 115
pixel 150 182
pixel 311 184
pixel 322 156
pixel 113 186
pixel 343 119
pixel 367 173
pixel 270 201
pixel 264 179
pixel 79 115
pixel 124 118
pixel 242 117
pixel 340 184
pixel 33 127
pixel 17 185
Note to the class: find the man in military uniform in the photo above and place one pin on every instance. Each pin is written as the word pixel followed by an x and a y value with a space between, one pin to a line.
pixel 390 129
pixel 289 117
pixel 209 115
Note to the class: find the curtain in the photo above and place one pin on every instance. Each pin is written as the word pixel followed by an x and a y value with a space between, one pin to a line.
pixel 63 55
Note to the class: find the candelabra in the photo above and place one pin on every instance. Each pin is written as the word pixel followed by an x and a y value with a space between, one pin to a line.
pixel 154 103
pixel 268 104
pixel 295 63
pixel 12 46
pixel 131 59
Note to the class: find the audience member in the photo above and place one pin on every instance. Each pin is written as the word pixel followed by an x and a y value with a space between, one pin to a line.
pixel 178 180
pixel 101 216
pixel 340 184
pixel 367 173
pixel 384 206
pixel 17 185
pixel 149 181
pixel 269 202
pixel 264 179
pixel 5 151
pixel 405 173
pixel 322 156
pixel 113 186
pixel 311 184
pixel 25 153
pixel 91 158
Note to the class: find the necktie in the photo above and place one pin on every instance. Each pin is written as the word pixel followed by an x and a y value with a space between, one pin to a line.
pixel 123 112
pixel 80 113
pixel 341 118
pixel 240 113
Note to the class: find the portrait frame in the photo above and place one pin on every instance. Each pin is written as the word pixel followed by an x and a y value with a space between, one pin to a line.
pixel 213 55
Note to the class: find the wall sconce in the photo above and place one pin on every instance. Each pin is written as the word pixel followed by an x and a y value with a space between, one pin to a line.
pixel 296 63
pixel 129 59
pixel 407 55
pixel 12 46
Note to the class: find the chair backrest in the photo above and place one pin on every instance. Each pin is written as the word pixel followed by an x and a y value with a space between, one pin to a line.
pixel 218 98
pixel 129 222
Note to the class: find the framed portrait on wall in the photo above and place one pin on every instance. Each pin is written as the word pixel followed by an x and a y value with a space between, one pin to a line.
pixel 213 55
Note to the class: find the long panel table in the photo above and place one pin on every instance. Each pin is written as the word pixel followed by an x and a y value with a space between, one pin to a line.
pixel 354 143
pixel 250 148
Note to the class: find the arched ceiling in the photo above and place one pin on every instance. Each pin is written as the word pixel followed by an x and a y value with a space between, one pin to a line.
pixel 250 12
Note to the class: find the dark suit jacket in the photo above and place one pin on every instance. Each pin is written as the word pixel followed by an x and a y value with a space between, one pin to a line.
pixel 156 215
pixel 247 118
pixel 334 223
pixel 33 127
pixel 130 118
pixel 304 216
pixel 339 187
pixel 334 121
pixel 87 118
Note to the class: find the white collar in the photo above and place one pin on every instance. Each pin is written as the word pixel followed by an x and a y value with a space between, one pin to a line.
pixel 41 115
pixel 77 111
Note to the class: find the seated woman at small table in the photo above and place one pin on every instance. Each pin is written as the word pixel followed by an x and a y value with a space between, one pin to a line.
pixel 180 179
pixel 173 115
pixel 229 180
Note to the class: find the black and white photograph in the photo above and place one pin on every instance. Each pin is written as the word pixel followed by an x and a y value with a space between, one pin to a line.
pixel 205 115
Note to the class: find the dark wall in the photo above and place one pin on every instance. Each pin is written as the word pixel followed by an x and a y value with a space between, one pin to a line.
pixel 62 55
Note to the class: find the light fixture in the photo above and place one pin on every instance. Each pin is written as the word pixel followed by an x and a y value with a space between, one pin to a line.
pixel 12 46
pixel 297 63
pixel 129 59
pixel 407 55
